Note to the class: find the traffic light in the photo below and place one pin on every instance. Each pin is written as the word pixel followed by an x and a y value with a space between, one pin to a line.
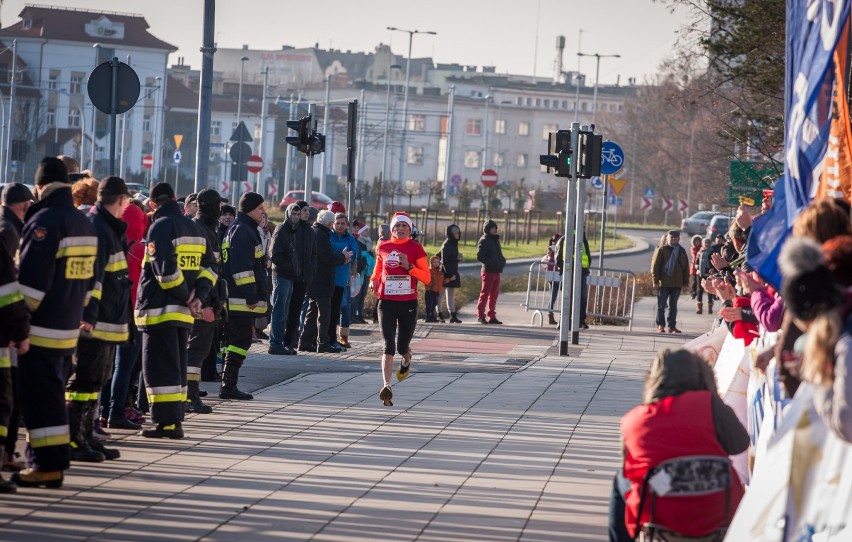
pixel 316 143
pixel 563 150
pixel 302 127
pixel 589 147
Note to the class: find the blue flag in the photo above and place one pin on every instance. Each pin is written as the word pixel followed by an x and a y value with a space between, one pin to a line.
pixel 813 31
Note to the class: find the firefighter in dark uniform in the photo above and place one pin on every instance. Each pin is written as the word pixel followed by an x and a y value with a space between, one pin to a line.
pixel 59 246
pixel 105 322
pixel 204 330
pixel 14 318
pixel 245 271
pixel 172 288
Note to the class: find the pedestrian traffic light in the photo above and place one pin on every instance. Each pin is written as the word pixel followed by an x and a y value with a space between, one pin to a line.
pixel 550 160
pixel 302 127
pixel 589 147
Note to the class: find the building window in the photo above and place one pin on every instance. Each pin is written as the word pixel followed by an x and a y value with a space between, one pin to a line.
pixel 529 102
pixel 471 159
pixel 523 128
pixel 538 102
pixel 50 119
pixel 519 101
pixel 564 104
pixel 522 160
pixel 621 107
pixel 216 127
pixel 546 103
pixel 74 118
pixel 547 129
pixel 474 127
pixel 146 123
pixel 498 159
pixel 53 80
pixel 500 126
pixel 76 83
pixel 417 123
pixel 415 155
pixel 584 106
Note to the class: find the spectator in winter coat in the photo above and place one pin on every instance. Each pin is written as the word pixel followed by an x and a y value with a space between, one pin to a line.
pixel 670 273
pixel 490 254
pixel 342 240
pixel 314 336
pixel 693 271
pixel 433 291
pixel 450 259
pixel 306 246
pixel 287 262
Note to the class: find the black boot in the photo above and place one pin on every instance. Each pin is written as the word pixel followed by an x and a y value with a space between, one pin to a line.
pixel 80 449
pixel 229 388
pixel 454 319
pixel 172 430
pixel 193 399
pixel 88 430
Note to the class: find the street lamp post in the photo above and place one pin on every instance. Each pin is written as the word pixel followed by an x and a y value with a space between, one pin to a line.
pixel 402 154
pixel 385 140
pixel 488 99
pixel 239 165
pixel 97 48
pixel 158 155
pixel 11 133
pixel 598 58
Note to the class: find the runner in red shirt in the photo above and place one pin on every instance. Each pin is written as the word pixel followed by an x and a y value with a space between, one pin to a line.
pixel 400 263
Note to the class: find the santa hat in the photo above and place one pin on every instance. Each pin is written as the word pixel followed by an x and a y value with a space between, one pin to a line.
pixel 401 217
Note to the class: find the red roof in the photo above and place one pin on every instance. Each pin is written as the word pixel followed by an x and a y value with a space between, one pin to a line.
pixel 108 28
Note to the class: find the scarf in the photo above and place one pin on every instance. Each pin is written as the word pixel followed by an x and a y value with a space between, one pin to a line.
pixel 670 265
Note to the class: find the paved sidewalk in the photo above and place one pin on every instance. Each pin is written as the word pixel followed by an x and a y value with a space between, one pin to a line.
pixel 493 437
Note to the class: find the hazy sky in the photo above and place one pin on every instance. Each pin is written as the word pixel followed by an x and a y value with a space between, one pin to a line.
pixel 499 33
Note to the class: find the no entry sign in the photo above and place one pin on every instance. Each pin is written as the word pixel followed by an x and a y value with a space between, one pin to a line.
pixel 488 178
pixel 255 163
pixel 148 161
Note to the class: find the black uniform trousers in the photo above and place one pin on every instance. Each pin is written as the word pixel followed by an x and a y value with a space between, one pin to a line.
pixel 42 374
pixel 297 299
pixel 7 392
pixel 164 369
pixel 200 342
pixel 93 363
pixel 239 340
pixel 316 323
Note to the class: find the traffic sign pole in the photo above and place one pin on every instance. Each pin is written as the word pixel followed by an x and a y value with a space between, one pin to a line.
pixel 603 221
pixel 568 241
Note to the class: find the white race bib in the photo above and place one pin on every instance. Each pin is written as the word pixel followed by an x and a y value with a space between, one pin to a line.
pixel 398 285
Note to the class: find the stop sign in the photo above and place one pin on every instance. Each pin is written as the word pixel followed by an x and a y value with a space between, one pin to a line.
pixel 255 163
pixel 148 161
pixel 488 178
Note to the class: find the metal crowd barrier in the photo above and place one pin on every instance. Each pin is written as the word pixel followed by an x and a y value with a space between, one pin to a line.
pixel 611 295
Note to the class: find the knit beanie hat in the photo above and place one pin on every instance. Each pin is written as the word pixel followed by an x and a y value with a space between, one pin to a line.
pixel 250 201
pixel 51 170
pixel 809 288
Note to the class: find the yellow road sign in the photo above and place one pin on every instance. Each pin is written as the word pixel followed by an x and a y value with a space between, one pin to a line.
pixel 617 185
pixel 178 139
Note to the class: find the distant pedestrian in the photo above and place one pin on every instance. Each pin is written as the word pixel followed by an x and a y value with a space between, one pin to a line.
pixel 450 259
pixel 490 254
pixel 400 263
pixel 433 291
pixel 670 273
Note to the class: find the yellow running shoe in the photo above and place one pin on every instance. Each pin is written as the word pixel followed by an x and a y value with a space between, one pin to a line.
pixel 404 367
pixel 386 394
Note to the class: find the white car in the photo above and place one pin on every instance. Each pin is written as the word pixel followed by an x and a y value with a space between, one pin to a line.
pixel 697 223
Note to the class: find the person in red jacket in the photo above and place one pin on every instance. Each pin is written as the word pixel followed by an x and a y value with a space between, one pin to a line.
pixel 681 415
pixel 400 263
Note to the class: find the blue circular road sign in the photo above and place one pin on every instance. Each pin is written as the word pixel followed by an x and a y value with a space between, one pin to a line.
pixel 612 158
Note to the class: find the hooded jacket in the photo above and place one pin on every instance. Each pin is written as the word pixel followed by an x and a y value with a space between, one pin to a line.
pixel 137 223
pixel 489 253
pixel 288 260
pixel 450 258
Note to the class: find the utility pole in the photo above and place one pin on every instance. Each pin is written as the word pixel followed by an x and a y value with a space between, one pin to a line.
pixel 205 97
pixel 11 132
pixel 325 117
pixel 290 151
pixel 309 158
pixel 264 112
pixel 449 148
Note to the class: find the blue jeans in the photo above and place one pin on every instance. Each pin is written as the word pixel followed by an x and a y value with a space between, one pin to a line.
pixel 281 290
pixel 346 308
pixel 114 393
pixel 667 295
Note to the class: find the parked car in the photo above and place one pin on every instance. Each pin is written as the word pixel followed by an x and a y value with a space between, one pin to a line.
pixel 318 199
pixel 136 188
pixel 718 224
pixel 697 223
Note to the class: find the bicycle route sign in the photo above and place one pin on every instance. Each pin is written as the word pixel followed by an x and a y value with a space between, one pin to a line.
pixel 612 158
